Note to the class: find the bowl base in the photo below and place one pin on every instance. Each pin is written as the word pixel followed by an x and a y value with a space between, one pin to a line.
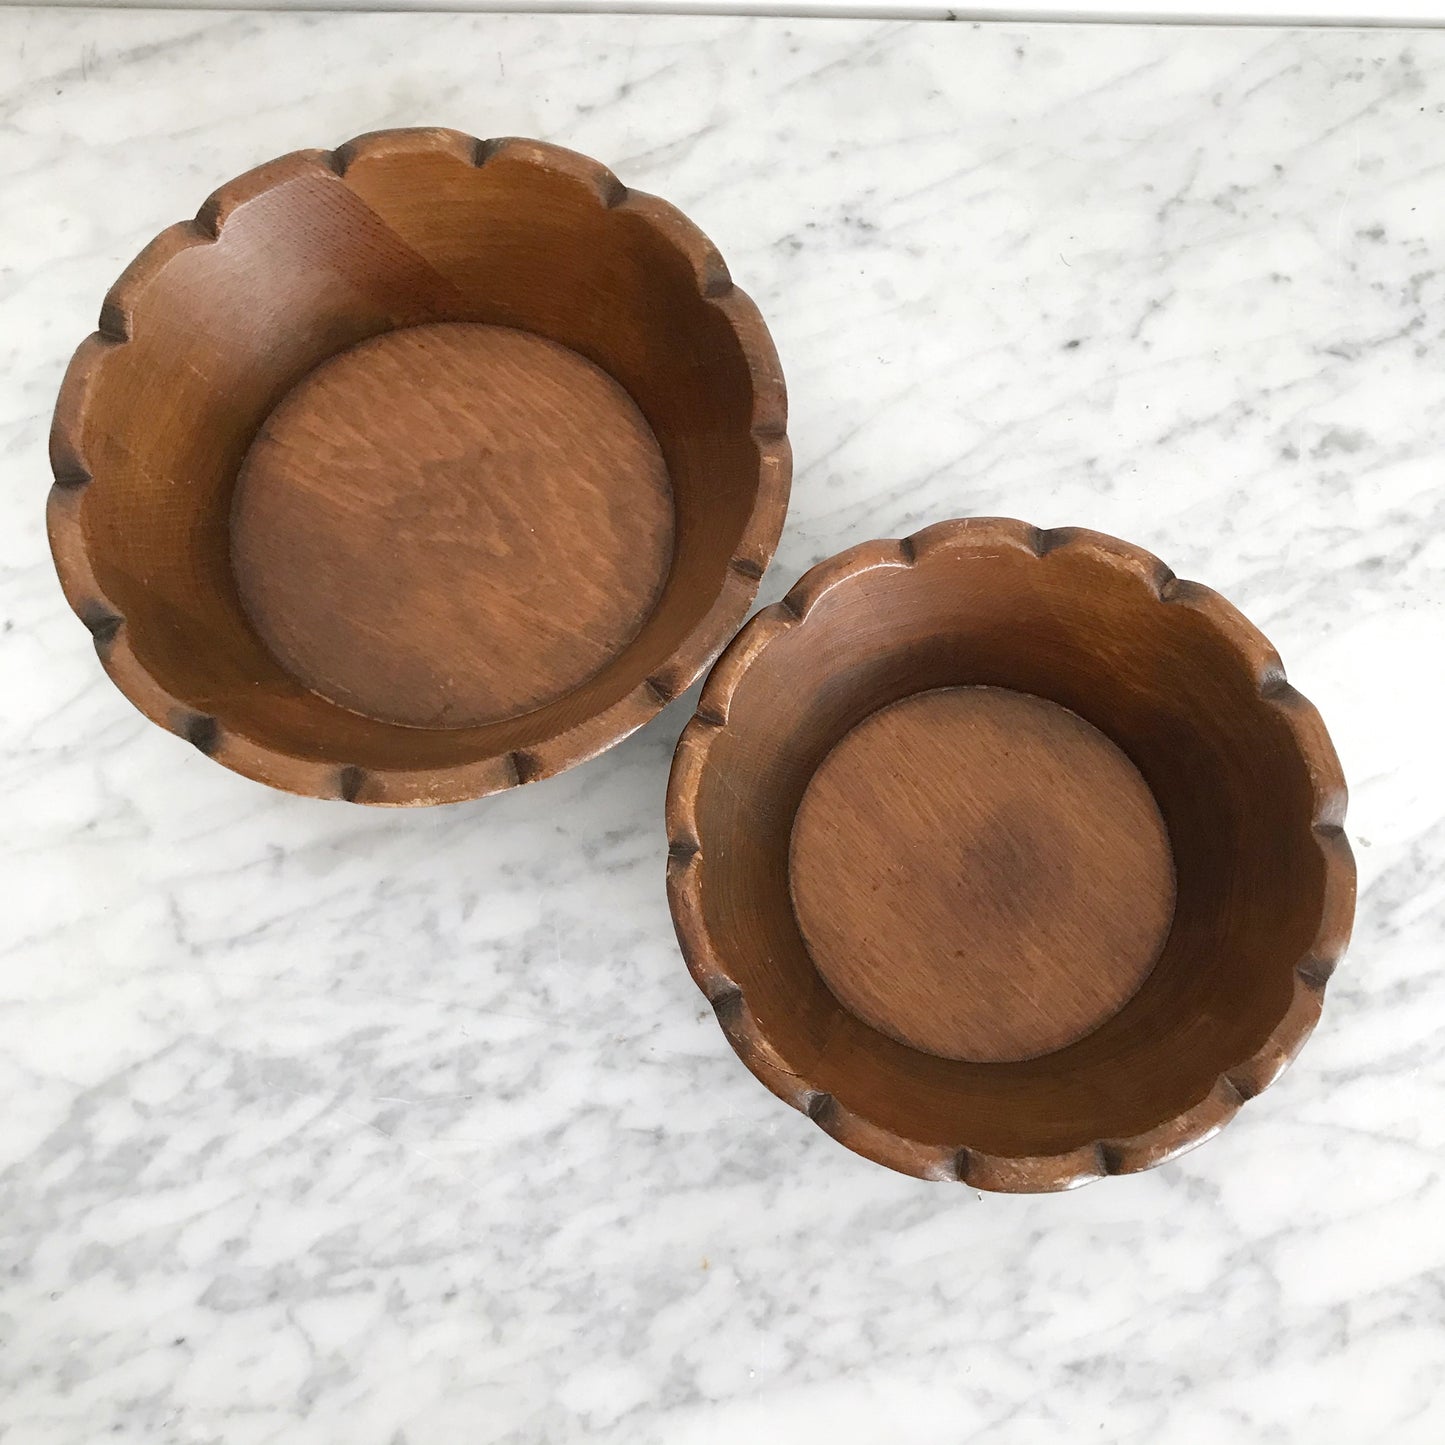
pixel 451 524
pixel 981 874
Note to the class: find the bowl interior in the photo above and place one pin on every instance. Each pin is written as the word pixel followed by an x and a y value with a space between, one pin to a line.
pixel 1168 689
pixel 506 452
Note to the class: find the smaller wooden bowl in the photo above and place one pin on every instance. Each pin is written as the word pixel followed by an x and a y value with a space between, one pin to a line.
pixel 417 469
pixel 1008 857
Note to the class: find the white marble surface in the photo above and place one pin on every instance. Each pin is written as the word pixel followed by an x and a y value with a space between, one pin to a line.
pixel 323 1124
pixel 1328 12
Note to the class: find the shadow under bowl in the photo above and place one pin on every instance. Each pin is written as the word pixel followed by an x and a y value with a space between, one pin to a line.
pixel 1007 856
pixel 418 469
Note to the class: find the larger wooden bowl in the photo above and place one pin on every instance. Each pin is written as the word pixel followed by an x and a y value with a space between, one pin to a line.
pixel 1007 856
pixel 417 469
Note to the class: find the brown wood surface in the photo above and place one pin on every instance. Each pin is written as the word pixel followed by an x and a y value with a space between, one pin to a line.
pixel 804 751
pixel 981 874
pixel 457 565
pixel 452 524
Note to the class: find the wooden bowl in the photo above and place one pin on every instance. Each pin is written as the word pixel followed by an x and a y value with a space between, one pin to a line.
pixel 414 470
pixel 1008 857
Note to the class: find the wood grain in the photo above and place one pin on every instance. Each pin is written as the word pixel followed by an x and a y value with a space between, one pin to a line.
pixel 824 763
pixel 981 874
pixel 456 565
pixel 450 525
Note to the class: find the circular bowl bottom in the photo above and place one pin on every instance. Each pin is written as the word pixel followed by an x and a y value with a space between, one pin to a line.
pixel 452 524
pixel 981 874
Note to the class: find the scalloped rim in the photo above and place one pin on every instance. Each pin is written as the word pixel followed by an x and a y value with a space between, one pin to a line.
pixel 687 862
pixel 122 310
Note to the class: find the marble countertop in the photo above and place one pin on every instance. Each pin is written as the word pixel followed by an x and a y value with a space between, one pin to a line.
pixel 329 1124
pixel 1275 12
